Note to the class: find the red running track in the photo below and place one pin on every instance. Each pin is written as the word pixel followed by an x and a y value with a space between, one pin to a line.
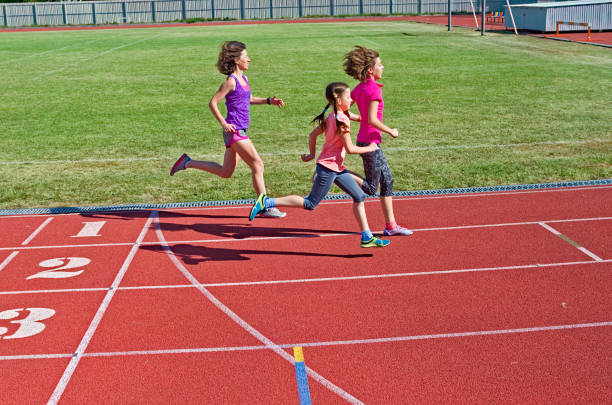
pixel 467 20
pixel 497 297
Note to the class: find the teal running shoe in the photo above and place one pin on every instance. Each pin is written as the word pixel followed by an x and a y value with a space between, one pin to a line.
pixel 374 242
pixel 259 206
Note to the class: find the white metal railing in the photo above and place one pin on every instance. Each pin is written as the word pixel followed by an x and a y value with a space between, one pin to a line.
pixel 149 11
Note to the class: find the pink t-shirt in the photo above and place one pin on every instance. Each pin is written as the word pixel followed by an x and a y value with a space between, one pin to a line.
pixel 363 94
pixel 333 152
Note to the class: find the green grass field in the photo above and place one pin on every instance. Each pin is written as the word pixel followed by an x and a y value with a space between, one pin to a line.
pixel 97 117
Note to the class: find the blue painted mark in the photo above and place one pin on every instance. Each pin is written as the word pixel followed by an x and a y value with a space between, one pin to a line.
pixel 302 382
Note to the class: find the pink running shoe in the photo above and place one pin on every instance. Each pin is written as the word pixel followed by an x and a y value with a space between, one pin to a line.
pixel 180 164
pixel 397 231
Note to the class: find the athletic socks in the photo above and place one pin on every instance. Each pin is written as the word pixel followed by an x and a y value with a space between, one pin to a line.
pixel 270 203
pixel 391 225
pixel 366 235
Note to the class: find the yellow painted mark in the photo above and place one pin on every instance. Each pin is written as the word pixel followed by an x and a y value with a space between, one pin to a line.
pixel 298 354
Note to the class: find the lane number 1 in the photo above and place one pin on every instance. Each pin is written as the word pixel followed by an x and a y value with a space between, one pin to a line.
pixel 90 229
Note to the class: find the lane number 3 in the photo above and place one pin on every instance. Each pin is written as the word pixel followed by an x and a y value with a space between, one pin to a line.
pixel 23 322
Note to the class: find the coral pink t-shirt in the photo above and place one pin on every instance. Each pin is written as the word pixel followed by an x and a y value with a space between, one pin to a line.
pixel 333 152
pixel 363 94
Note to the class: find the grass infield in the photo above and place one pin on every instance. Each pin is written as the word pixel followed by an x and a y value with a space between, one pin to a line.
pixel 97 117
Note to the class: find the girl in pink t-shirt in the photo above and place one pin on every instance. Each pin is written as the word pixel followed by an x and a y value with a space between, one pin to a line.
pixel 330 164
pixel 364 65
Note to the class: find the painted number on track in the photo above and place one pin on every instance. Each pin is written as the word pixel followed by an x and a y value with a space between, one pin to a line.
pixel 23 322
pixel 61 264
pixel 90 229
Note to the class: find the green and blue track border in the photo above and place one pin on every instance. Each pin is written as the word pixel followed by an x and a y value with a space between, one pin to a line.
pixel 205 204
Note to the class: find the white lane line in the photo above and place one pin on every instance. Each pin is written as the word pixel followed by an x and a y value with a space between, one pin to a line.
pixel 458 334
pixel 61 386
pixel 319 344
pixel 323 235
pixel 6 261
pixel 72 246
pixel 245 325
pixel 179 351
pixel 368 40
pixel 93 57
pixel 60 290
pixel 36 232
pixel 46 52
pixel 36 356
pixel 320 279
pixel 571 242
pixel 391 275
pixel 314 235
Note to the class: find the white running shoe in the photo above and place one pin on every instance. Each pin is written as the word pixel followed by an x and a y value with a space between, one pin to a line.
pixel 397 231
pixel 272 213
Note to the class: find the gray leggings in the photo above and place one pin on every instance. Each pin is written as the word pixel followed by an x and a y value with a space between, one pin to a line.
pixel 324 178
pixel 377 172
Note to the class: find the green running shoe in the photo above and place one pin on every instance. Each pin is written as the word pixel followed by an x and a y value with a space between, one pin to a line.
pixel 374 242
pixel 259 206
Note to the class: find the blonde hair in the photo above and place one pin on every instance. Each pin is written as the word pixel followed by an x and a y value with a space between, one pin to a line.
pixel 230 50
pixel 358 61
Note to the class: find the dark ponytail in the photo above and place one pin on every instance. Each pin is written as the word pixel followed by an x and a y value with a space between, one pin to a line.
pixel 332 92
pixel 319 120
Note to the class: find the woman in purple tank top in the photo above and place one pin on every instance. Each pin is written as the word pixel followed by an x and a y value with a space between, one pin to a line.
pixel 234 61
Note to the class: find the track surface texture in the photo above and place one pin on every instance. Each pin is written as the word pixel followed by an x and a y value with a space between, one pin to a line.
pixel 497 297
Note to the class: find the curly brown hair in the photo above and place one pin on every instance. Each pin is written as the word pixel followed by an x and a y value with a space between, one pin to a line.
pixel 358 61
pixel 230 50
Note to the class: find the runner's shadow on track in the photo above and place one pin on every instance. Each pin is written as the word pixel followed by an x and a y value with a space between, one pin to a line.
pixel 191 254
pixel 243 231
pixel 130 215
pixel 222 230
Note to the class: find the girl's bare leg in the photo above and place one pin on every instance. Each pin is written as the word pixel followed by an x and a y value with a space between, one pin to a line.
pixel 360 216
pixel 387 206
pixel 246 150
pixel 289 201
pixel 229 165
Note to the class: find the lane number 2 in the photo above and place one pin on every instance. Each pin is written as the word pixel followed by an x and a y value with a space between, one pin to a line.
pixel 58 267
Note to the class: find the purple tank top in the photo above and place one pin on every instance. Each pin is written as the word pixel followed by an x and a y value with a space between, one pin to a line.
pixel 238 103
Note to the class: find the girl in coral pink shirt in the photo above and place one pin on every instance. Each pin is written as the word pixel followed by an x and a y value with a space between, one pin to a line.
pixel 330 164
